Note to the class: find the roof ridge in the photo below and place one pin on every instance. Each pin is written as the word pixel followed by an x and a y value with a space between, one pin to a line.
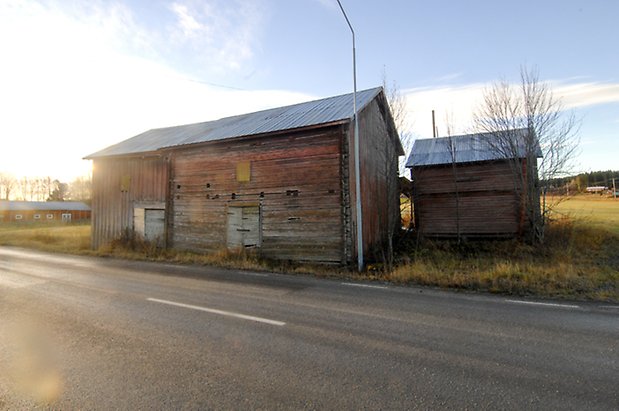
pixel 483 133
pixel 326 110
pixel 376 89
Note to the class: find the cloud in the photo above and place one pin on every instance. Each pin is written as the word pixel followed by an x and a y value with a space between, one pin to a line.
pixel 587 94
pixel 452 104
pixel 459 102
pixel 71 87
pixel 221 34
pixel 448 77
pixel 187 24
pixel 328 4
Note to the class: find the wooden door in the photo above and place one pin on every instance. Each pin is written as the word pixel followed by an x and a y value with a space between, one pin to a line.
pixel 243 229
pixel 154 224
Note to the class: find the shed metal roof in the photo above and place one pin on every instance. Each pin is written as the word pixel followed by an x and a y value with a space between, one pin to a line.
pixel 324 111
pixel 468 148
pixel 43 206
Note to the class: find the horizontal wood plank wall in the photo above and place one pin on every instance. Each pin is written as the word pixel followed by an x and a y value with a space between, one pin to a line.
pixel 294 178
pixel 117 184
pixel 379 177
pixel 488 202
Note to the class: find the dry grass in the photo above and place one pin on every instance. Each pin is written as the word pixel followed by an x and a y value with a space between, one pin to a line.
pixel 131 248
pixel 576 261
pixel 580 258
pixel 75 239
pixel 61 238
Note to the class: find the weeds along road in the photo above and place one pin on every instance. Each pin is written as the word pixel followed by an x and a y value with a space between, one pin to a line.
pixel 92 333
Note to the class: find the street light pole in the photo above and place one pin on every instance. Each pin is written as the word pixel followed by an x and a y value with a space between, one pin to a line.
pixel 356 153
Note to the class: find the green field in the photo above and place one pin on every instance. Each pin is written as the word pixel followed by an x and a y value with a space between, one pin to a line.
pixel 592 210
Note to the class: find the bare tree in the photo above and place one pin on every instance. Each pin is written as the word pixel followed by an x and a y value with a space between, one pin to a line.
pixel 8 182
pixel 34 188
pixel 44 188
pixel 399 111
pixel 26 186
pixel 453 156
pixel 549 131
pixel 80 189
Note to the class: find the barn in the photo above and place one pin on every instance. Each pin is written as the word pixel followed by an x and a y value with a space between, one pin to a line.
pixel 43 211
pixel 278 181
pixel 464 185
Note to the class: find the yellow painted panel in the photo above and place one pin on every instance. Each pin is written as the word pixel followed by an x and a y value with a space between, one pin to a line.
pixel 125 183
pixel 243 171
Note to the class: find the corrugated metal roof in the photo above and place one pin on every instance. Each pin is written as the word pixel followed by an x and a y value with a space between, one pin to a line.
pixel 311 113
pixel 43 206
pixel 468 148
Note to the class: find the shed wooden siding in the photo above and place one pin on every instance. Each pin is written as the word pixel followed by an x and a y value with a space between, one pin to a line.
pixel 379 177
pixel 112 204
pixel 300 209
pixel 488 202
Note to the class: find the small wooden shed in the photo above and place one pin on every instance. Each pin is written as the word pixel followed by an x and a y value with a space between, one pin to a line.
pixel 43 211
pixel 280 181
pixel 465 185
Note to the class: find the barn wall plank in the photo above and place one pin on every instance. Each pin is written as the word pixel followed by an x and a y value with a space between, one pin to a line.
pixel 379 179
pixel 112 203
pixel 295 179
pixel 488 203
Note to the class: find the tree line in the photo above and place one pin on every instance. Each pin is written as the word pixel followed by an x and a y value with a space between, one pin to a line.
pixel 580 182
pixel 44 188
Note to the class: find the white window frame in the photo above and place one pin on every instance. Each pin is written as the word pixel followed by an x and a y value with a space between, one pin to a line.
pixel 50 216
pixel 36 216
pixel 19 217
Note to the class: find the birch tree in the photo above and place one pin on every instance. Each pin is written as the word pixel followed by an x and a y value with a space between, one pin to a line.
pixel 532 106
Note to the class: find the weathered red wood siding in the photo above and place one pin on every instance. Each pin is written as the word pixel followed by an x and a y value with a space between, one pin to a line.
pixel 294 178
pixel 28 215
pixel 112 204
pixel 378 151
pixel 488 203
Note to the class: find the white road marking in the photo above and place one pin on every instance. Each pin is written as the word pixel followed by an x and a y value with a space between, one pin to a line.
pixel 253 274
pixel 610 306
pixel 543 304
pixel 220 312
pixel 380 287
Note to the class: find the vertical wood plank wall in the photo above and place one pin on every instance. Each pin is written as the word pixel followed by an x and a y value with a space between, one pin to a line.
pixel 112 208
pixel 294 178
pixel 488 201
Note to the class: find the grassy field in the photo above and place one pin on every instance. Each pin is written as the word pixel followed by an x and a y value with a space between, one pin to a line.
pixel 593 210
pixel 579 259
pixel 61 238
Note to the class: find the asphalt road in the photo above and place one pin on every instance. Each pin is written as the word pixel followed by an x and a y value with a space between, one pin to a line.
pixel 94 333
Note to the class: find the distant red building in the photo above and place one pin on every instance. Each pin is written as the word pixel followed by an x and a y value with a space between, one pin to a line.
pixel 43 211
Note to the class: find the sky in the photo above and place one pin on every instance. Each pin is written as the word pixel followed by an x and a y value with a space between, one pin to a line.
pixel 79 75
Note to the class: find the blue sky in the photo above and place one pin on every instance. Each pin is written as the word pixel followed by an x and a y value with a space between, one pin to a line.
pixel 77 76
